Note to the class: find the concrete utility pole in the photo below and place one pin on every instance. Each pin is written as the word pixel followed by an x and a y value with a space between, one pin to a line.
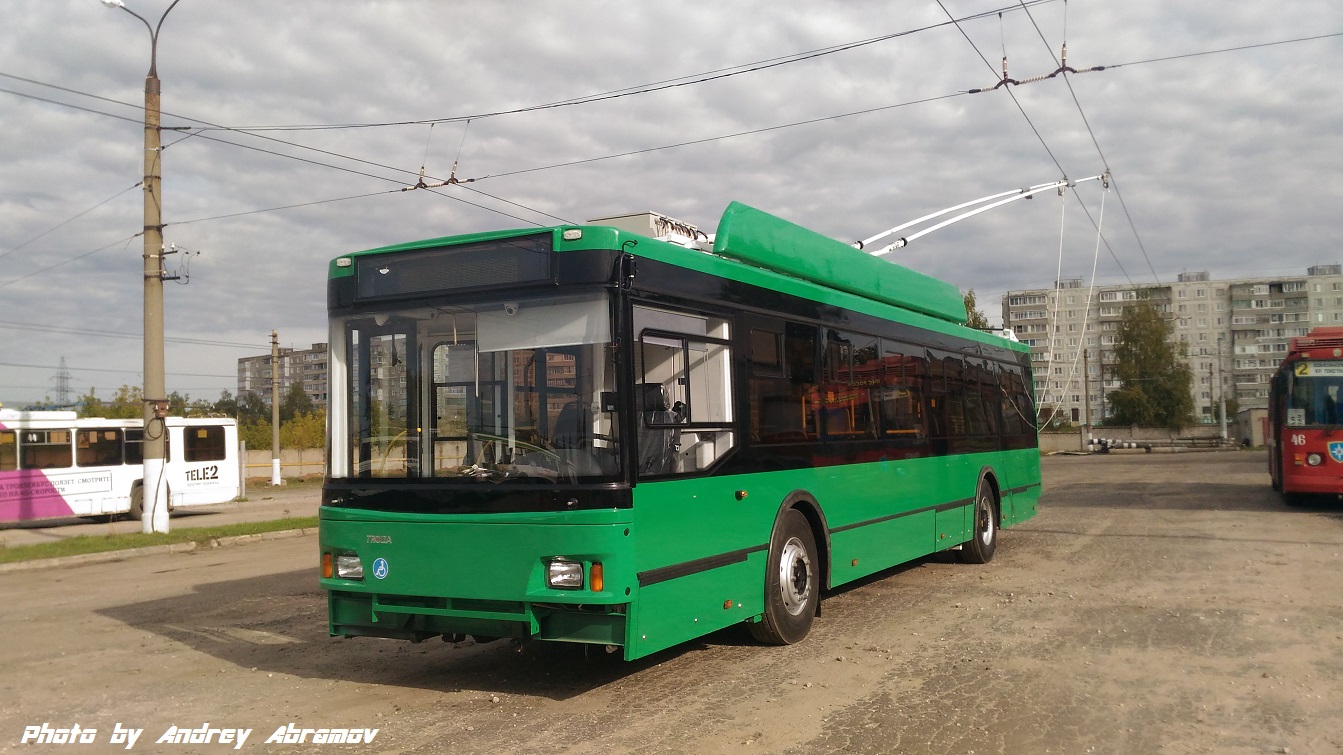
pixel 154 517
pixel 1086 388
pixel 1221 392
pixel 274 408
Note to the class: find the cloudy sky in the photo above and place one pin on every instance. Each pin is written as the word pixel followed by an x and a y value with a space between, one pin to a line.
pixel 847 117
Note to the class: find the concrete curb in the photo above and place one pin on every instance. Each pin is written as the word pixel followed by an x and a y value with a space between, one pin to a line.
pixel 107 557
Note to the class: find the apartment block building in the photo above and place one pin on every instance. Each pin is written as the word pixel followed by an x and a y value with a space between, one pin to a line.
pixel 1234 332
pixel 306 366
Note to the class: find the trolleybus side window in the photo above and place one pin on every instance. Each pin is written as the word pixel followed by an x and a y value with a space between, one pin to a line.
pixel 45 449
pixel 849 389
pixel 782 382
pixel 135 447
pixel 98 447
pixel 903 370
pixel 1018 411
pixel 204 443
pixel 9 451
pixel 683 391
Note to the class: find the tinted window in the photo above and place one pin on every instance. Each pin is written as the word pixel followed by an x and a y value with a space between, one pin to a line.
pixel 98 447
pixel 784 404
pixel 204 443
pixel 902 376
pixel 44 449
pixel 851 385
pixel 9 451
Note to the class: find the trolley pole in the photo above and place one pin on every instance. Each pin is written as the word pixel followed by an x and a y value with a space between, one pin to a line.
pixel 154 498
pixel 274 408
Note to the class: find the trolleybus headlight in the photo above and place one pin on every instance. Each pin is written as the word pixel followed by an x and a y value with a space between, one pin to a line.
pixel 1314 460
pixel 564 575
pixel 348 566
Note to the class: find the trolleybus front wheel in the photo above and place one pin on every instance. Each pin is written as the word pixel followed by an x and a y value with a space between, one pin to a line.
pixel 792 583
pixel 979 549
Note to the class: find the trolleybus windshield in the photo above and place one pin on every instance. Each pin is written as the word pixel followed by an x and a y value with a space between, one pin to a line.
pixel 507 392
pixel 1314 393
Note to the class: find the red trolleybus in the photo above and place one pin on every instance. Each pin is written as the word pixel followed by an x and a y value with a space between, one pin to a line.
pixel 1305 438
pixel 596 434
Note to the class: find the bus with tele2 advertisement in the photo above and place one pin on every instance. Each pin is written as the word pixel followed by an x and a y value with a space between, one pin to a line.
pixel 631 434
pixel 55 464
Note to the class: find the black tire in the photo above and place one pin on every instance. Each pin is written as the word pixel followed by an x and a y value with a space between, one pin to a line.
pixel 137 502
pixel 980 547
pixel 792 583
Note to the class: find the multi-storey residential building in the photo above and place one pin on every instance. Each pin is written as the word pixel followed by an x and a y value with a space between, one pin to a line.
pixel 306 366
pixel 1234 334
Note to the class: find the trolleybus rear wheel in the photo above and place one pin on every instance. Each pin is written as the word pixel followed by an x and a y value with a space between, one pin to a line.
pixel 979 549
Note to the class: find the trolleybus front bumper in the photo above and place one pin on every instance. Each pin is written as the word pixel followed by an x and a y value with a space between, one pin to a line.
pixel 553 576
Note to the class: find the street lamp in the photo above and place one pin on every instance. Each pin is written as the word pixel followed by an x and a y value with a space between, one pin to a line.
pixel 154 499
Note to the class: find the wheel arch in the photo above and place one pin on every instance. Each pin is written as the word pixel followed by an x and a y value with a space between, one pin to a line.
pixel 807 505
pixel 987 474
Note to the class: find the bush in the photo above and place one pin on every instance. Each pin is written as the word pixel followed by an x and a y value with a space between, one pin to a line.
pixel 303 431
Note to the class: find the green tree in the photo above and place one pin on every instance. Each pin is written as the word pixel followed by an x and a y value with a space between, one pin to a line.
pixel 177 404
pixel 296 402
pixel 226 406
pixel 304 431
pixel 255 433
pixel 973 317
pixel 1154 382
pixel 124 404
pixel 252 409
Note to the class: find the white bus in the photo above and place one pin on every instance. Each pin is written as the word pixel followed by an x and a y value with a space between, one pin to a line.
pixel 56 465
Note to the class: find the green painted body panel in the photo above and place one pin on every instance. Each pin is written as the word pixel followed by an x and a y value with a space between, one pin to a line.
pixel 680 521
pixel 747 234
pixel 484 574
pixel 478 574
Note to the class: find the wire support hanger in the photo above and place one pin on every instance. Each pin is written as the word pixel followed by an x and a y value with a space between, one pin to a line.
pixel 1006 80
pixel 452 176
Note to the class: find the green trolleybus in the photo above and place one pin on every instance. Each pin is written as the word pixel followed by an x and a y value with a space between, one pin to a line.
pixel 624 434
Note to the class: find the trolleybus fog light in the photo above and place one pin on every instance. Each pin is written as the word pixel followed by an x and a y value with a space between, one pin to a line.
pixel 348 566
pixel 564 575
pixel 1314 460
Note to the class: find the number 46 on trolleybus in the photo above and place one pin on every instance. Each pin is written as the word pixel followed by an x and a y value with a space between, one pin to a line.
pixel 624 435
pixel 1305 437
